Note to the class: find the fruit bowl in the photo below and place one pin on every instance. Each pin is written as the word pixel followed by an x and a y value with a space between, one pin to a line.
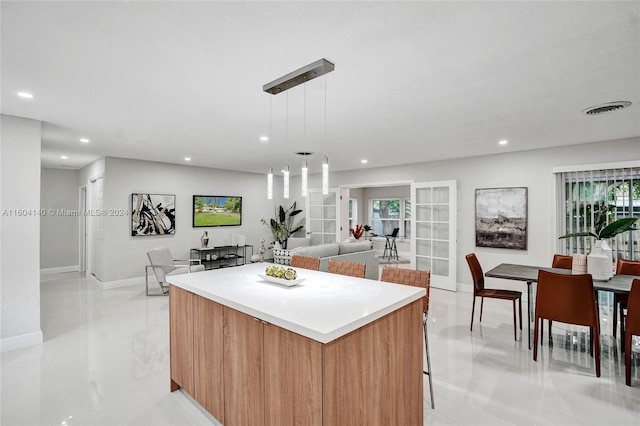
pixel 281 281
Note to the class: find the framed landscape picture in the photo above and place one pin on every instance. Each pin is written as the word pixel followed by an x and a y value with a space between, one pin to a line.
pixel 216 210
pixel 153 214
pixel 501 218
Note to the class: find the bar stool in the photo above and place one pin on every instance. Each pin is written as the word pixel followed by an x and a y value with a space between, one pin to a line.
pixel 390 249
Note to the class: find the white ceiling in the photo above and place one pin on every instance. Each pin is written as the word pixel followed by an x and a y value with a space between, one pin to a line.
pixel 413 81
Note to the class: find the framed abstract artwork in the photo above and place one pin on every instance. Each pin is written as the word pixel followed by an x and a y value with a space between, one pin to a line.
pixel 153 214
pixel 501 218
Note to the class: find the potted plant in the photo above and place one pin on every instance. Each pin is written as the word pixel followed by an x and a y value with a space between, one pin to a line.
pixel 357 231
pixel 282 225
pixel 600 260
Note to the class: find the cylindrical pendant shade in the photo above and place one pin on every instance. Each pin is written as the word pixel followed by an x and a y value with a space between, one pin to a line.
pixel 325 176
pixel 304 178
pixel 270 185
pixel 286 181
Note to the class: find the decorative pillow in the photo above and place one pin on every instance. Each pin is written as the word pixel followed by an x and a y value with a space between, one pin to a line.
pixel 355 247
pixel 322 250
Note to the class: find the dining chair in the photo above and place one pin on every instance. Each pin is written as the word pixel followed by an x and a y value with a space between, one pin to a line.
pixel 569 299
pixel 479 290
pixel 306 262
pixel 164 265
pixel 632 328
pixel 342 267
pixel 418 279
pixel 623 267
pixel 561 262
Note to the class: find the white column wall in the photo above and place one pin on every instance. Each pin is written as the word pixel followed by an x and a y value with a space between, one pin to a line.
pixel 19 234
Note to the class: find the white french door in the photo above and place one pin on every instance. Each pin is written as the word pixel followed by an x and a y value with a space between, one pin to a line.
pixel 322 216
pixel 433 231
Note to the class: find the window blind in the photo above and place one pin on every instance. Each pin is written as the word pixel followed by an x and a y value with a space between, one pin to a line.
pixel 587 193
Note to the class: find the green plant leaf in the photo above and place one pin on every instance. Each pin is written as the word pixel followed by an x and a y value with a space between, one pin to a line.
pixel 579 234
pixel 618 227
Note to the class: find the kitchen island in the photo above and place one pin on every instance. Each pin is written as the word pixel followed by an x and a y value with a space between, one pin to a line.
pixel 332 350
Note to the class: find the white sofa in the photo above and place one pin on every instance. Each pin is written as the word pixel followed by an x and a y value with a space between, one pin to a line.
pixel 361 251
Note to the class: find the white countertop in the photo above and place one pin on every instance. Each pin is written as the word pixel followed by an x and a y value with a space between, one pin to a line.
pixel 323 307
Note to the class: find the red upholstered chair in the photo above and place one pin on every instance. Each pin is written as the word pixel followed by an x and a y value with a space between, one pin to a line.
pixel 480 291
pixel 305 262
pixel 352 269
pixel 562 262
pixel 623 267
pixel 632 327
pixel 418 279
pixel 570 299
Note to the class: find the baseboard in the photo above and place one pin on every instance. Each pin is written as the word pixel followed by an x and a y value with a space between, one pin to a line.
pixel 19 342
pixel 59 269
pixel 464 288
pixel 108 285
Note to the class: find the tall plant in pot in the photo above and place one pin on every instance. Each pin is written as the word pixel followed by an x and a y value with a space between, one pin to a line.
pixel 282 225
pixel 600 260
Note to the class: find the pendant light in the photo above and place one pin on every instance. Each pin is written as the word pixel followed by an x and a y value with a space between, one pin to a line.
pixel 270 174
pixel 284 83
pixel 325 176
pixel 325 162
pixel 286 143
pixel 286 181
pixel 304 171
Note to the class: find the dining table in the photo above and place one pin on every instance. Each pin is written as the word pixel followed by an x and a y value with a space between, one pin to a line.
pixel 529 274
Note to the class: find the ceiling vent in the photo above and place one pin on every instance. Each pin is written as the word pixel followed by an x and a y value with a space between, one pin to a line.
pixel 605 108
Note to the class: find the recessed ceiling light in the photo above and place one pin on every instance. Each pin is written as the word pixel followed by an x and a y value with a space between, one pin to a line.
pixel 503 142
pixel 64 157
pixel 187 158
pixel 84 140
pixel 364 161
pixel 25 95
pixel 264 138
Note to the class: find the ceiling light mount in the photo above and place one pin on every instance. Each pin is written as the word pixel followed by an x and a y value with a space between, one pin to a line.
pixel 302 75
pixel 304 153
pixel 605 108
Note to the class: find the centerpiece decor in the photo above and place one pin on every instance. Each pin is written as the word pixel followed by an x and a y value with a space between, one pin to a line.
pixel 600 259
pixel 282 226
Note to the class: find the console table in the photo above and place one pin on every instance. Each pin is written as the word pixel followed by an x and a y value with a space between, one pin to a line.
pixel 221 256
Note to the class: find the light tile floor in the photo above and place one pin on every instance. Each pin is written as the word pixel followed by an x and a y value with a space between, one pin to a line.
pixel 105 361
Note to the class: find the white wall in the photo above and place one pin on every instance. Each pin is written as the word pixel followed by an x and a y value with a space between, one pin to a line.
pixel 531 169
pixel 125 256
pixel 19 234
pixel 58 229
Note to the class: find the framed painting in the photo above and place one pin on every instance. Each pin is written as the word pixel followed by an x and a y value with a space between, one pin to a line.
pixel 501 218
pixel 153 214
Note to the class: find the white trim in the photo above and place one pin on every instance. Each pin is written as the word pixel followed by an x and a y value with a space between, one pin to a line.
pixel 378 184
pixel 22 341
pixel 59 269
pixel 597 166
pixel 109 285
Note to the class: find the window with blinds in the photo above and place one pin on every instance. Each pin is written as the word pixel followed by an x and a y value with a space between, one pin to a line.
pixel 587 193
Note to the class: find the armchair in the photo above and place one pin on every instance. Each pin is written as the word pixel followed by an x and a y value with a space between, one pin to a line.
pixel 164 265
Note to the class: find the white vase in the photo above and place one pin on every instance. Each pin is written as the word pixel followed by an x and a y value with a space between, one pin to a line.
pixel 599 261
